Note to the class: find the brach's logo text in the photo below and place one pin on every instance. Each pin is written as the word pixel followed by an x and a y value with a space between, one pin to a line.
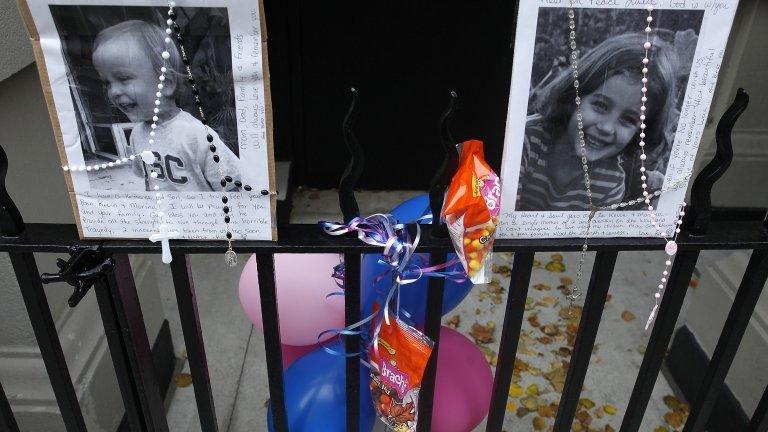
pixel 394 378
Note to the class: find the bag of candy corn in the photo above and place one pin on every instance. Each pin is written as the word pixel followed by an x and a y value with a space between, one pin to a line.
pixel 471 211
pixel 398 359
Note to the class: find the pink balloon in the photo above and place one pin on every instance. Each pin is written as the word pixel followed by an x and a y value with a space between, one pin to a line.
pixel 463 385
pixel 302 282
pixel 292 353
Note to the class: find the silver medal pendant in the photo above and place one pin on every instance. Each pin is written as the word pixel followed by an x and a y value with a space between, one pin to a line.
pixel 230 257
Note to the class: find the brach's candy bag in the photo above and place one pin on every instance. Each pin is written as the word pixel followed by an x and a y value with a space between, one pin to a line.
pixel 396 373
pixel 471 211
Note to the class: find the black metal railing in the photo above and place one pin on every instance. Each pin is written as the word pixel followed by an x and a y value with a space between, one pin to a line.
pixel 104 266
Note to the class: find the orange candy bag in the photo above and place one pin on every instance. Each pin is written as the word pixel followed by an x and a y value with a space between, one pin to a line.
pixel 396 373
pixel 471 211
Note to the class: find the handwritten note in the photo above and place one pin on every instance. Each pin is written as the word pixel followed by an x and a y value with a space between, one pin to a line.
pixel 694 114
pixel 194 215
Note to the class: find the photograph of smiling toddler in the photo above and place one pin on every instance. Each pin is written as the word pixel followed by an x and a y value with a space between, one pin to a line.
pixel 113 57
pixel 610 46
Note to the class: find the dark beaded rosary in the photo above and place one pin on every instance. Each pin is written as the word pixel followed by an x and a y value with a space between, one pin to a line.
pixel 229 257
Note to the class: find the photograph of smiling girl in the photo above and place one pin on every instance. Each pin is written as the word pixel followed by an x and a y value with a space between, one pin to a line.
pixel 610 44
pixel 113 60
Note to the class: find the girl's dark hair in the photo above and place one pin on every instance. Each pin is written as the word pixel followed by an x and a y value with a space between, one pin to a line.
pixel 618 55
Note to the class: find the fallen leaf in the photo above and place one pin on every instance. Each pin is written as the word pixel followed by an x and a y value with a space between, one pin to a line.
pixel 565 280
pixel 609 409
pixel 627 316
pixel 577 427
pixel 556 376
pixel 542 287
pixel 545 340
pixel 549 301
pixel 531 403
pixel 183 380
pixel 522 412
pixel 533 320
pixel 478 311
pixel 490 355
pixel 586 403
pixel 575 313
pixel 641 349
pixel 539 423
pixel 661 429
pixel 496 299
pixel 608 428
pixel 555 266
pixel 607 299
pixel 483 333
pixel 529 303
pixel 454 322
pixel 672 402
pixel 584 418
pixel 556 257
pixel 511 406
pixel 599 413
pixel 503 270
pixel 694 283
pixel 673 419
pixel 515 390
pixel 184 354
pixel 550 330
pixel 536 264
pixel 494 287
pixel 532 390
pixel 563 352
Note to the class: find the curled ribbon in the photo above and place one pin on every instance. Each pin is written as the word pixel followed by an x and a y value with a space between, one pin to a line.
pixel 384 230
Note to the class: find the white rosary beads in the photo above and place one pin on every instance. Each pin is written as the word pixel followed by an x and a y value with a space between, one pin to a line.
pixel 671 247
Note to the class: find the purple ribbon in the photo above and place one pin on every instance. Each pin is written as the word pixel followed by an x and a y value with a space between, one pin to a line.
pixel 384 230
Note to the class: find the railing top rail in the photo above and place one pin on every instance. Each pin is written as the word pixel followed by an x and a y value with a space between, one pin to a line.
pixel 723 234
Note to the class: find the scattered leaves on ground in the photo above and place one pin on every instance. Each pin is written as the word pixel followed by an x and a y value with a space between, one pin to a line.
pixel 531 403
pixel 516 390
pixel 483 334
pixel 555 266
pixel 539 423
pixel 454 322
pixel 503 270
pixel 627 316
pixel 542 287
pixel 183 380
pixel 532 390
pixel 556 375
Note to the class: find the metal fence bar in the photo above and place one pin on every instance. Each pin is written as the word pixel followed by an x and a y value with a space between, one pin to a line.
pixel 677 286
pixel 594 302
pixel 193 340
pixel 131 321
pixel 733 330
pixel 265 265
pixel 434 314
pixel 28 277
pixel 517 293
pixel 7 420
pixel 118 350
pixel 759 422
pixel 352 342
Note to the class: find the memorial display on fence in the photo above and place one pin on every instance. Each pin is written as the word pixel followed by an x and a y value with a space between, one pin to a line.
pixel 582 80
pixel 161 115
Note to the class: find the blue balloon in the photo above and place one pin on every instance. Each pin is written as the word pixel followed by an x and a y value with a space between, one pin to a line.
pixel 315 397
pixel 413 297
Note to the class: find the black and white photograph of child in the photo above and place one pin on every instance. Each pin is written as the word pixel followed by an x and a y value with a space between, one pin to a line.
pixel 114 57
pixel 610 45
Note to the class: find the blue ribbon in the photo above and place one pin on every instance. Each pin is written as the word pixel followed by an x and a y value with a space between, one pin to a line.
pixel 384 230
